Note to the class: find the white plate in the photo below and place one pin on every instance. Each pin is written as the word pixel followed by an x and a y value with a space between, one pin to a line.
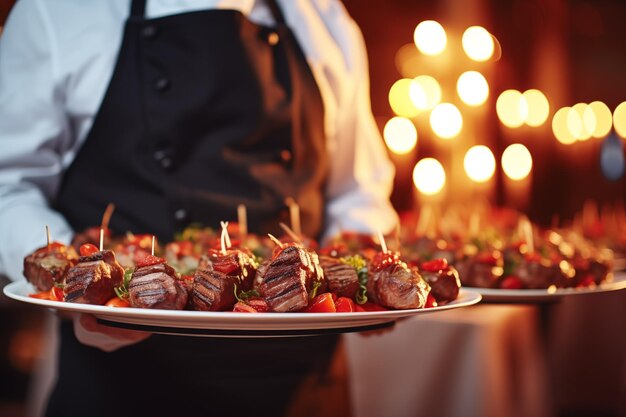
pixel 201 323
pixel 547 295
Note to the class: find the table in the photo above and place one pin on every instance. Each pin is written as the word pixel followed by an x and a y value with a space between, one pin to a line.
pixel 486 361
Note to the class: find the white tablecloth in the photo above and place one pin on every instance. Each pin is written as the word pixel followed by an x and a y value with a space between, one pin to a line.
pixel 485 361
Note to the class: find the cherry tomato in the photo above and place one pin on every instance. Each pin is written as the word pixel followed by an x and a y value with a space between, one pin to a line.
pixel 344 305
pixel 259 305
pixel 88 249
pixel 435 265
pixel 56 294
pixel 149 260
pixel 430 301
pixel 322 303
pixel 384 259
pixel 587 281
pixel 117 302
pixel 56 246
pixel 369 306
pixel 512 282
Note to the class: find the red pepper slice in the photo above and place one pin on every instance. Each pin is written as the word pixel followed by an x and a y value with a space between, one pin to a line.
pixel 345 305
pixel 435 265
pixel 117 302
pixel 512 283
pixel 322 303
pixel 149 260
pixel 88 249
pixel 368 306
pixel 242 307
pixel 430 301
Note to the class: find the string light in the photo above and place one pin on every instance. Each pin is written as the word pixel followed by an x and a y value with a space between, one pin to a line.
pixel 478 43
pixel 517 161
pixel 479 163
pixel 429 176
pixel 400 135
pixel 430 37
pixel 472 88
pixel 446 120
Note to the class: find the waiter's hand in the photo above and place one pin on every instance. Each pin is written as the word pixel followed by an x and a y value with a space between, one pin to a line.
pixel 89 332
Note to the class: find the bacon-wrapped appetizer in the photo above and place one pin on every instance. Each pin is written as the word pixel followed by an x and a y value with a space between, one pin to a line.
pixel 94 278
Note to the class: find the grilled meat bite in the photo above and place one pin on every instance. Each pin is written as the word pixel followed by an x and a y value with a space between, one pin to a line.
pixel 397 286
pixel 444 284
pixel 48 266
pixel 216 277
pixel 156 286
pixel 93 279
pixel 342 278
pixel 292 272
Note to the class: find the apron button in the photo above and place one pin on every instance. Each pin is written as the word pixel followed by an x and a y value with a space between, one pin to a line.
pixel 148 32
pixel 180 214
pixel 162 84
pixel 273 38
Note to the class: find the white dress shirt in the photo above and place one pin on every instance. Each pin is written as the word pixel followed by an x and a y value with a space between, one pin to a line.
pixel 56 60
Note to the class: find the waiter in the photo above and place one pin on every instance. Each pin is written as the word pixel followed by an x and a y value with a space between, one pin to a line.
pixel 178 111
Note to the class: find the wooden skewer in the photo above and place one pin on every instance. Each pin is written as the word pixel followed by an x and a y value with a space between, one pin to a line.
pixel 106 217
pixel 242 219
pixel 48 237
pixel 153 238
pixel 227 236
pixel 276 241
pixel 101 239
pixel 294 215
pixel 290 232
pixel 383 244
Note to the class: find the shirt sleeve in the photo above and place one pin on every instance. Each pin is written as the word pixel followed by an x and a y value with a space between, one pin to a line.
pixel 32 130
pixel 361 173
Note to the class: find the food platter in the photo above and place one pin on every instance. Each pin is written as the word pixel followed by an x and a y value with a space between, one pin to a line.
pixel 546 295
pixel 233 324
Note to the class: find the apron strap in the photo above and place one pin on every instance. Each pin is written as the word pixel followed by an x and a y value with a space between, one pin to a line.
pixel 138 8
pixel 276 12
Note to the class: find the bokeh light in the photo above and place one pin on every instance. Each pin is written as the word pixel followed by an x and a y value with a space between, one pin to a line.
pixel 429 176
pixel 479 163
pixel 581 121
pixel 478 43
pixel 399 99
pixel 512 108
pixel 472 88
pixel 560 126
pixel 604 119
pixel 430 37
pixel 446 120
pixel 425 92
pixel 517 161
pixel 619 119
pixel 538 107
pixel 400 135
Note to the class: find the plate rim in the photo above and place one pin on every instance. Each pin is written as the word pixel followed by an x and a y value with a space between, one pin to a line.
pixel 232 320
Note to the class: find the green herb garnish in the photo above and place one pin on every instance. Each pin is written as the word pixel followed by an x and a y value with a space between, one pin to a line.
pixel 122 290
pixel 243 296
pixel 360 266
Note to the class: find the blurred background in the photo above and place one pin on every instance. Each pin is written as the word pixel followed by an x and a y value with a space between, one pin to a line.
pixel 518 103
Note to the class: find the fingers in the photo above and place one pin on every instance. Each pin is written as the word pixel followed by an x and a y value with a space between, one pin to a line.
pixel 91 333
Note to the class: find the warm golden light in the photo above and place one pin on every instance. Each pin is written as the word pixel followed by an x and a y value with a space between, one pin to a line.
pixel 429 176
pixel 478 43
pixel 517 161
pixel 538 107
pixel 581 121
pixel 399 99
pixel 619 119
pixel 430 37
pixel 472 88
pixel 425 92
pixel 560 126
pixel 479 163
pixel 400 135
pixel 446 120
pixel 604 119
pixel 512 108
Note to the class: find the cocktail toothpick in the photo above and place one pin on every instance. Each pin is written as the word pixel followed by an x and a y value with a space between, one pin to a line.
pixel 383 244
pixel 290 232
pixel 242 220
pixel 294 215
pixel 101 239
pixel 49 240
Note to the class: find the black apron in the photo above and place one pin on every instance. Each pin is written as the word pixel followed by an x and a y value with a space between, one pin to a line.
pixel 205 110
